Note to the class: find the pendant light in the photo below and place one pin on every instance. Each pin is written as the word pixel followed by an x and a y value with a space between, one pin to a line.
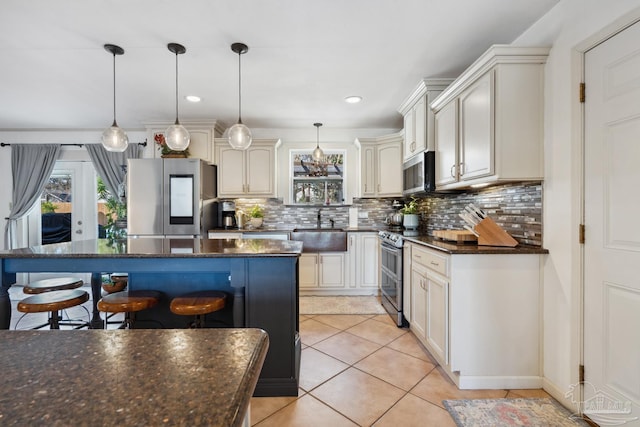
pixel 176 135
pixel 114 138
pixel 239 135
pixel 318 154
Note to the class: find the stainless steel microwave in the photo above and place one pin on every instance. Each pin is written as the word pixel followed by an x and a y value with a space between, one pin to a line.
pixel 419 174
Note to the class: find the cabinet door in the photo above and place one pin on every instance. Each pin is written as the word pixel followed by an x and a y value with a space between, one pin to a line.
pixel 260 172
pixel 201 145
pixel 437 332
pixel 331 270
pixel 368 172
pixel 420 125
pixel 476 129
pixel 446 142
pixel 409 135
pixel 230 171
pixel 308 271
pixel 389 168
pixel 367 255
pixel 419 301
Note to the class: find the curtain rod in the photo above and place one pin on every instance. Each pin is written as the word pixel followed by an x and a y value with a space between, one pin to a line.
pixel 4 144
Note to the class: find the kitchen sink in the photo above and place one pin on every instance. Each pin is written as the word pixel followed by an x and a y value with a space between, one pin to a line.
pixel 321 239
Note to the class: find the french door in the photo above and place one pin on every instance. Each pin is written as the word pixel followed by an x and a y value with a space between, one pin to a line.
pixel 72 190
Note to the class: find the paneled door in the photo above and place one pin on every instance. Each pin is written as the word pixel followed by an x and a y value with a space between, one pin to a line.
pixel 612 244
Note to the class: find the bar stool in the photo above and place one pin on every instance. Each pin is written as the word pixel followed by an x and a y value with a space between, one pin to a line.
pixel 128 302
pixel 55 284
pixel 53 302
pixel 198 304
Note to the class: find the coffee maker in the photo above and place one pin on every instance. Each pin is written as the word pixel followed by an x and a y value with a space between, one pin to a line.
pixel 225 215
pixel 229 215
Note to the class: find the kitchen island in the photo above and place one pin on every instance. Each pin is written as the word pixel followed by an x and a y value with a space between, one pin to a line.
pixel 186 377
pixel 261 277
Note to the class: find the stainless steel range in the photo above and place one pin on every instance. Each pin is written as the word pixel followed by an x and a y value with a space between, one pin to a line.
pixel 391 275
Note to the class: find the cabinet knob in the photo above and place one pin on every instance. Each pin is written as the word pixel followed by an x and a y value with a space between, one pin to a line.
pixel 451 171
pixel 378 188
pixel 435 263
pixel 461 169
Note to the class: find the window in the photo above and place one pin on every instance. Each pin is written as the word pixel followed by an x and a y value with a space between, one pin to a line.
pixel 317 183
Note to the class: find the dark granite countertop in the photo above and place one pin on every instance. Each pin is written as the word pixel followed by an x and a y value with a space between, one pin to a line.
pixel 472 248
pixel 129 377
pixel 161 247
pixel 289 229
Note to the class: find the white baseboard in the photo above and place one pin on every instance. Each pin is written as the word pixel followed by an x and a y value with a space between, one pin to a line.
pixel 499 382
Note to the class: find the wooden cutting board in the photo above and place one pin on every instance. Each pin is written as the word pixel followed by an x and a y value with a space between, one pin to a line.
pixel 458 236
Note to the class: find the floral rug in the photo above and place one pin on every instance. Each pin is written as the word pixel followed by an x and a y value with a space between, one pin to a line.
pixel 341 305
pixel 541 412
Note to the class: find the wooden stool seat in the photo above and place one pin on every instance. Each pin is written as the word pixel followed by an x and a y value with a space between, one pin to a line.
pixel 55 284
pixel 129 301
pixel 53 301
pixel 197 303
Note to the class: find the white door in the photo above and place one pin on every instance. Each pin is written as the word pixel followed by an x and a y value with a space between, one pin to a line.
pixel 612 246
pixel 77 194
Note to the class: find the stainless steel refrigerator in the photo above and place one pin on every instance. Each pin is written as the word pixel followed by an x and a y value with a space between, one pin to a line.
pixel 170 197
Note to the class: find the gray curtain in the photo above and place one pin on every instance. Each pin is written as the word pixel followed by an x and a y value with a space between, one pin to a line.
pixel 109 165
pixel 31 166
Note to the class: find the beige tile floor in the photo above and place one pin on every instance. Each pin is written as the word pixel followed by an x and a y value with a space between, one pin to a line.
pixel 361 370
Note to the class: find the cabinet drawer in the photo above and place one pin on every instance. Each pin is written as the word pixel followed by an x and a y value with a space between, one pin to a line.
pixel 431 260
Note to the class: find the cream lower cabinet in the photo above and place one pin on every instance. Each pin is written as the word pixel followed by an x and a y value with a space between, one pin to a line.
pixel 246 173
pixel 320 271
pixel 362 254
pixel 478 315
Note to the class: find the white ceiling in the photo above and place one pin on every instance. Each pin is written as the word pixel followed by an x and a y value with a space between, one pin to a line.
pixel 304 58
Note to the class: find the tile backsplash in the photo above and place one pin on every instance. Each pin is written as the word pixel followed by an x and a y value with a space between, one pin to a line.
pixel 515 207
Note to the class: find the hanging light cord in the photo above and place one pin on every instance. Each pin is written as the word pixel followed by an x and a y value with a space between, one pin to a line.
pixel 114 90
pixel 239 88
pixel 318 136
pixel 177 122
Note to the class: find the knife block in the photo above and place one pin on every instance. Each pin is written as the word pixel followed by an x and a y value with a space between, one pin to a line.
pixel 491 234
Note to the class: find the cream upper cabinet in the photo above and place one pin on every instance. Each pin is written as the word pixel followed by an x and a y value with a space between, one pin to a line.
pixel 489 121
pixel 202 136
pixel 381 166
pixel 418 118
pixel 246 173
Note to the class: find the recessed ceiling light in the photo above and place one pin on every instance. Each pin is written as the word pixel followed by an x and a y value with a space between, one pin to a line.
pixel 353 99
pixel 193 98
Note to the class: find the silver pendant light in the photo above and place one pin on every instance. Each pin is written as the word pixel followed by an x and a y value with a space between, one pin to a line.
pixel 239 135
pixel 318 154
pixel 114 138
pixel 176 135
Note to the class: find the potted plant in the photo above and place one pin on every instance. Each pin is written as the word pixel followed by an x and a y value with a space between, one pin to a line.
pixel 256 214
pixel 410 214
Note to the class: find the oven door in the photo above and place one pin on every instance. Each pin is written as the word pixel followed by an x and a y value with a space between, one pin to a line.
pixel 391 274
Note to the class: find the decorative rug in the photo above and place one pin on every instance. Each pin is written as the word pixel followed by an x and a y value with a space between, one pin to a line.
pixel 341 305
pixel 539 412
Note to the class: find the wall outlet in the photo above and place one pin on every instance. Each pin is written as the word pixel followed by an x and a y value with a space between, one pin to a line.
pixel 363 215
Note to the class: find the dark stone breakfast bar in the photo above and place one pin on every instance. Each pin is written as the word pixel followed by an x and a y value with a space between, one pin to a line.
pixel 260 275
pixel 140 377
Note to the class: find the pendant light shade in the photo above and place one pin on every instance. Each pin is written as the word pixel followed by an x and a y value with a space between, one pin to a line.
pixel 176 135
pixel 239 136
pixel 114 138
pixel 318 154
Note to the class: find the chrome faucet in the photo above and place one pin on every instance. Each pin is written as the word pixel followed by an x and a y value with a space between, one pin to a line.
pixel 319 218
